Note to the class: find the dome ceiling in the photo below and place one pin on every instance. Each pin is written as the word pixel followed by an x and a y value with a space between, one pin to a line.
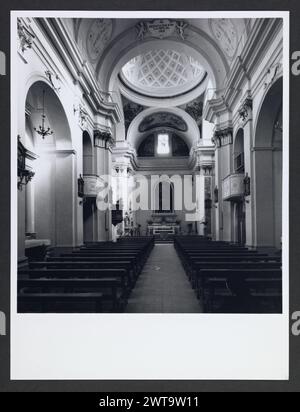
pixel 163 73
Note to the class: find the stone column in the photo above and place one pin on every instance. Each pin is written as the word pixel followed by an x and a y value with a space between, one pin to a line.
pixel 26 212
pixel 29 218
pixel 245 113
pixel 223 139
pixel 103 164
pixel 21 225
pixel 66 198
pixel 218 192
pixel 263 198
pixel 204 200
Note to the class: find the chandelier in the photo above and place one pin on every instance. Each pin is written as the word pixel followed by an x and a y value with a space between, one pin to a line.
pixel 41 130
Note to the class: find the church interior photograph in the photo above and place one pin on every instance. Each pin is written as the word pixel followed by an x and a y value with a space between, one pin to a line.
pixel 149 164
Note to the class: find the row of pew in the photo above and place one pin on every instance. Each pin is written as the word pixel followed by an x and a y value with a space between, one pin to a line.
pixel 97 277
pixel 228 278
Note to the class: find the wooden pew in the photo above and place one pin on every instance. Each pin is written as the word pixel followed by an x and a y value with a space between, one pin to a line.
pixel 98 271
pixel 196 276
pixel 111 289
pixel 195 260
pixel 74 257
pixel 140 257
pixel 40 302
pixel 87 264
pixel 238 281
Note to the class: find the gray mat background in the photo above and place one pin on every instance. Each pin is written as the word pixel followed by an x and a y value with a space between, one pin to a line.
pixel 148 386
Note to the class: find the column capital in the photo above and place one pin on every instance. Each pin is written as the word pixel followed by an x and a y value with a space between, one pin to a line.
pixel 103 139
pixel 223 137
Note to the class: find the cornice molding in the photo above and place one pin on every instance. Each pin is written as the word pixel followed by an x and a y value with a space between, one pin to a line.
pixel 261 36
pixel 79 69
pixel 223 137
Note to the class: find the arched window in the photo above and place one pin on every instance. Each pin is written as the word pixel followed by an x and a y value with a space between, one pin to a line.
pixel 239 157
pixel 163 144
pixel 165 197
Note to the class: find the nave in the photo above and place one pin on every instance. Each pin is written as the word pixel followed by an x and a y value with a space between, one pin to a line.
pixel 137 276
pixel 144 144
pixel 163 286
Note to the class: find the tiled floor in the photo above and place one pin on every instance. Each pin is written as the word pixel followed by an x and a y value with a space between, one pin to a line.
pixel 163 286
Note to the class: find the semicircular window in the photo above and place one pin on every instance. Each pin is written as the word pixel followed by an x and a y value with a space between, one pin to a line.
pixel 150 146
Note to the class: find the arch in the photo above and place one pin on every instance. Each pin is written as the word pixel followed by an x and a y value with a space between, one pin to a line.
pixel 191 136
pixel 112 82
pixel 56 117
pixel 164 196
pixel 268 169
pixel 270 104
pixel 50 206
pixel 87 153
pixel 238 152
pixel 200 41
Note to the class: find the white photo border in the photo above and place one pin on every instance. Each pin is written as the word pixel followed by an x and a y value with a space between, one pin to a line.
pixel 144 346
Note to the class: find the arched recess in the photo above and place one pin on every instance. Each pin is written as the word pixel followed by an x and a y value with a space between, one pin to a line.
pixel 238 152
pixel 89 204
pixel 51 195
pixel 239 210
pixel 191 135
pixel 268 169
pixel 164 197
pixel 87 152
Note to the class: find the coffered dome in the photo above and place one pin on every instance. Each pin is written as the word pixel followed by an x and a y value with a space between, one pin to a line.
pixel 163 73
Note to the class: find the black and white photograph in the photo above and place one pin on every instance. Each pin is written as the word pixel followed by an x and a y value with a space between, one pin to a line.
pixel 149 195
pixel 150 161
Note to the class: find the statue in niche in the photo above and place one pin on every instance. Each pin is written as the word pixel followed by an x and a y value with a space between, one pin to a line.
pixel 247 185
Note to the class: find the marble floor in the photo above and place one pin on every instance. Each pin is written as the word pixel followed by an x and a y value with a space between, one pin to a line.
pixel 163 286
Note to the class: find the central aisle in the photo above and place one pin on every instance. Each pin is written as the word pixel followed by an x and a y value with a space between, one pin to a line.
pixel 163 286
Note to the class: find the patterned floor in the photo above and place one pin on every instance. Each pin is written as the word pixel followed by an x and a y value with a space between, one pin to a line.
pixel 163 286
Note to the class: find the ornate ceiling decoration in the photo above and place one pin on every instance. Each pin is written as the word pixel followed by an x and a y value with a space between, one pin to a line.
pixel 131 110
pixel 226 34
pixel 163 119
pixel 163 73
pixel 195 110
pixel 161 29
pixel 98 36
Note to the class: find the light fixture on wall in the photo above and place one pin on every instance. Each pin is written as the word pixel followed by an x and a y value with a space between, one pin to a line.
pixel 41 130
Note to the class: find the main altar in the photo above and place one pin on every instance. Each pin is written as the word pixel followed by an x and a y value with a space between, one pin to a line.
pixel 163 225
